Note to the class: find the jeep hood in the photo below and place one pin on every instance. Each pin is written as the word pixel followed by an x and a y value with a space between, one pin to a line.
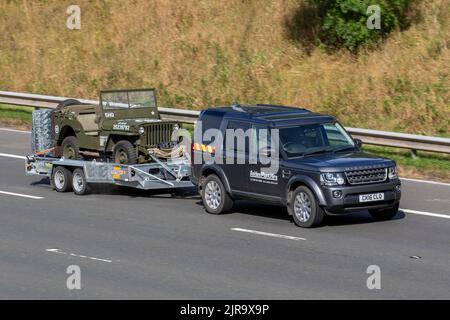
pixel 338 162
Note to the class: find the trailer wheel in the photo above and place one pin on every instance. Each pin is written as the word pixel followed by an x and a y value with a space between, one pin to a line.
pixel 214 195
pixel 79 183
pixel 62 179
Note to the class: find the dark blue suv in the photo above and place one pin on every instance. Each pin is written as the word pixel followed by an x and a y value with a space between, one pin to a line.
pixel 315 167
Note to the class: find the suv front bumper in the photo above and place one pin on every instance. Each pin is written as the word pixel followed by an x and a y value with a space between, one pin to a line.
pixel 349 200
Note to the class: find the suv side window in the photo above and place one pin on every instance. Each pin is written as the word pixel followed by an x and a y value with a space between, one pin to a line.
pixel 240 143
pixel 260 138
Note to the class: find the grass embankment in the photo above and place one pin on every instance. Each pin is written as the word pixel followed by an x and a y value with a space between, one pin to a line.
pixel 205 53
pixel 17 117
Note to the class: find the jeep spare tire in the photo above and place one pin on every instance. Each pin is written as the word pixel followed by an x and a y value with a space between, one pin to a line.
pixel 68 102
pixel 71 148
pixel 124 153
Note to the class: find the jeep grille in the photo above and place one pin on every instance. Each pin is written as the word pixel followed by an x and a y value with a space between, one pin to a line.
pixel 157 133
pixel 366 176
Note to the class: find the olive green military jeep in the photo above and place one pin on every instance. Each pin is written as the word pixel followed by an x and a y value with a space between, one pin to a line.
pixel 125 127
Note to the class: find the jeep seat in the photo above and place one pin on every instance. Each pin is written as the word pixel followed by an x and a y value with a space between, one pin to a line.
pixel 89 124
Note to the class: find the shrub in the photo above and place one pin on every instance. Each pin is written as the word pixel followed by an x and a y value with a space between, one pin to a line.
pixel 344 22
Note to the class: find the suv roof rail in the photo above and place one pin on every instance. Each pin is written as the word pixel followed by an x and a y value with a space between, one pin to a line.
pixel 237 107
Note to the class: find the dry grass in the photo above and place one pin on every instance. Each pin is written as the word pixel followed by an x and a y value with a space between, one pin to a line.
pixel 200 53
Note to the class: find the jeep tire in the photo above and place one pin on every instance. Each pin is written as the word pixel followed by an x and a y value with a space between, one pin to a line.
pixel 68 102
pixel 124 153
pixel 384 214
pixel 62 179
pixel 214 196
pixel 70 148
pixel 305 209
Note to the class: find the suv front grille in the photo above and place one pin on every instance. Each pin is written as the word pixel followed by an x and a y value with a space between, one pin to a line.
pixel 366 176
pixel 157 133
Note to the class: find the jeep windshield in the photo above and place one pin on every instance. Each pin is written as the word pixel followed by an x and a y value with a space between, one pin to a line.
pixel 305 140
pixel 128 99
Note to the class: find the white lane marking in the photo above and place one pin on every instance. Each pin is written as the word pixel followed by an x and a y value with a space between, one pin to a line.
pixel 14 130
pixel 7 155
pixel 21 195
pixel 426 181
pixel 267 234
pixel 59 251
pixel 423 213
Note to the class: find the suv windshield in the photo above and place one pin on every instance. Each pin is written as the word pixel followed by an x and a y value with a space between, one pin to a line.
pixel 314 139
pixel 128 99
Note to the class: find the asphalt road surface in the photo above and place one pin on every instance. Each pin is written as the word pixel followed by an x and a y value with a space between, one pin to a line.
pixel 140 245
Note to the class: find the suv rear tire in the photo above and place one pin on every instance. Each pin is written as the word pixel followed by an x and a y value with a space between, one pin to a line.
pixel 124 153
pixel 214 196
pixel 71 148
pixel 305 209
pixel 386 214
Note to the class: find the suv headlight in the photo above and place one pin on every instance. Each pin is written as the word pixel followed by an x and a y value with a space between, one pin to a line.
pixel 141 131
pixel 332 179
pixel 392 173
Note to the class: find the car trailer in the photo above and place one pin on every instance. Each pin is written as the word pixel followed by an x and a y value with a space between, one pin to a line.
pixel 77 175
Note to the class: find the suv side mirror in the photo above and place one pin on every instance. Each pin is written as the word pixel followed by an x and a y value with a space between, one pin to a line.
pixel 358 143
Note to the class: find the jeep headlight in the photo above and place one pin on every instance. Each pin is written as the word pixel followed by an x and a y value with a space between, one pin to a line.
pixel 141 131
pixel 332 179
pixel 392 173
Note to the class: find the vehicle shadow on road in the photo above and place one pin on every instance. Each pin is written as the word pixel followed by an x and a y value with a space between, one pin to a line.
pixel 181 193
pixel 280 213
pixel 361 217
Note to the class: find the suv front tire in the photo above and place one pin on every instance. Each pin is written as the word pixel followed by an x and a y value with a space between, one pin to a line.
pixel 305 209
pixel 214 196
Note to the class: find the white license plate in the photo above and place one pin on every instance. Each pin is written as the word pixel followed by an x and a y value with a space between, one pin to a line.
pixel 371 197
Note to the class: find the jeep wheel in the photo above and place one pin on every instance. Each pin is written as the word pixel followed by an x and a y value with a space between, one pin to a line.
pixel 124 153
pixel 386 214
pixel 215 198
pixel 71 148
pixel 79 183
pixel 305 209
pixel 62 179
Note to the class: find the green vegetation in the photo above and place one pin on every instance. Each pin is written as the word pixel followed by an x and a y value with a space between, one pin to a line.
pixel 429 165
pixel 343 23
pixel 15 116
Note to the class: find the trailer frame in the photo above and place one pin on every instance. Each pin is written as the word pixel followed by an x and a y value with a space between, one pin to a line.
pixel 78 175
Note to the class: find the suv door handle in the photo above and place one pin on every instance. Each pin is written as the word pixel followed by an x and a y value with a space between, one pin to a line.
pixel 286 173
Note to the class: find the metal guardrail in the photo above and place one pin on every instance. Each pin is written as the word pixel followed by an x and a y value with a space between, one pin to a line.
pixel 374 137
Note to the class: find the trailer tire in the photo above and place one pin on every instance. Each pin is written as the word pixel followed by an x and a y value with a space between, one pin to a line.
pixel 214 196
pixel 79 184
pixel 62 179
